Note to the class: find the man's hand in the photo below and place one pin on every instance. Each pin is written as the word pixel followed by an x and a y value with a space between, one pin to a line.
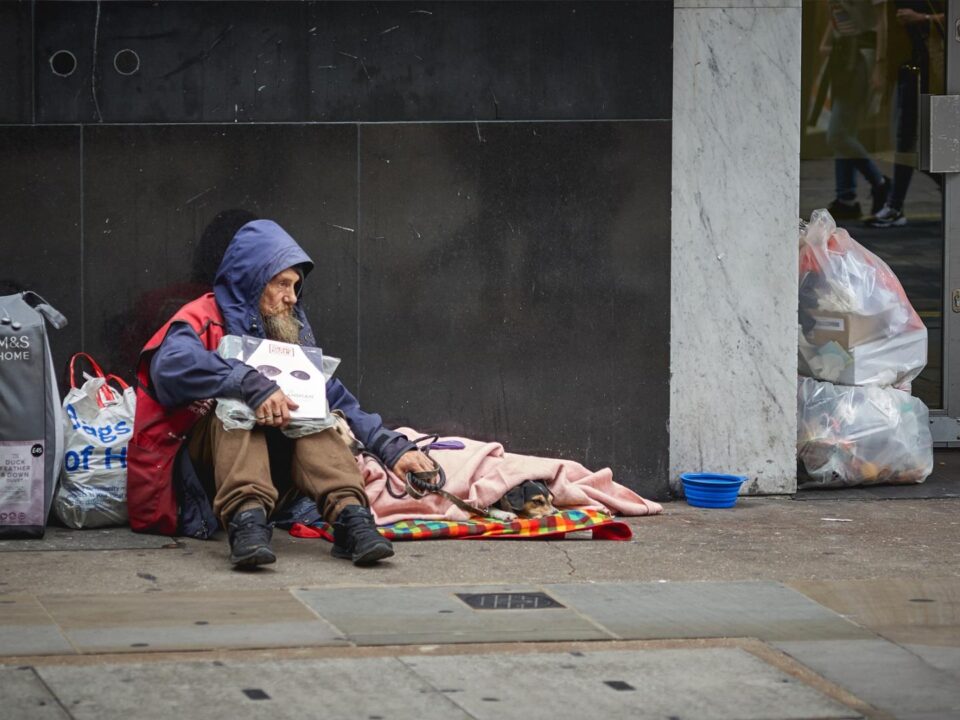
pixel 412 461
pixel 905 16
pixel 275 410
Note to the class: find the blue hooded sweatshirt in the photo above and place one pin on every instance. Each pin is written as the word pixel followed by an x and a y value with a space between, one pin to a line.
pixel 182 370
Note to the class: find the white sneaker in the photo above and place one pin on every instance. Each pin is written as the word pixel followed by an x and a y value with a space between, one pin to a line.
pixel 887 217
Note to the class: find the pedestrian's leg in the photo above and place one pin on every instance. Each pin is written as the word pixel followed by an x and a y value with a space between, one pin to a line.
pixel 902 174
pixel 850 97
pixel 844 172
pixel 905 128
pixel 325 470
pixel 844 205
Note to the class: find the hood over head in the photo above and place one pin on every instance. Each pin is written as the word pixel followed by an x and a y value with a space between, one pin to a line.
pixel 258 251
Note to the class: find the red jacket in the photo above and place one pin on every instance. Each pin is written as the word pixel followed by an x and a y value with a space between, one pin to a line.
pixel 158 433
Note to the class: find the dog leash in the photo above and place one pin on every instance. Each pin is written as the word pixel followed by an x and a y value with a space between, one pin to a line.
pixel 415 481
pixel 420 484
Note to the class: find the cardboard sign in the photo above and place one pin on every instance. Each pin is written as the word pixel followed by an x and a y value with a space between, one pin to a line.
pixel 298 375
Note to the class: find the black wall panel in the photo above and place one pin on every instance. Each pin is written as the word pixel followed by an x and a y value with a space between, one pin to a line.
pixel 162 202
pixel 341 61
pixel 195 61
pixel 490 60
pixel 41 244
pixel 484 186
pixel 513 281
pixel 16 62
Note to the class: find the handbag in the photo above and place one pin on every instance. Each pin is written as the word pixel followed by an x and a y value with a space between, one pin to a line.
pixel 97 422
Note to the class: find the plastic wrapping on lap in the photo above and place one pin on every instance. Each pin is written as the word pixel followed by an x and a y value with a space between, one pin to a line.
pixel 857 326
pixel 861 436
pixel 237 415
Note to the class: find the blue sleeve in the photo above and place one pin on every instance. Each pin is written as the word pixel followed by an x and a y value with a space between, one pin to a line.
pixel 386 444
pixel 182 370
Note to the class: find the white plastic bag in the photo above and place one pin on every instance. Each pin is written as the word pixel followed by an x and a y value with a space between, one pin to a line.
pixel 861 435
pixel 98 421
pixel 303 385
pixel 857 326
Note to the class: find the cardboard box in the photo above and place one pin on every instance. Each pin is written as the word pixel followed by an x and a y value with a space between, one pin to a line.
pixel 850 329
pixel 888 361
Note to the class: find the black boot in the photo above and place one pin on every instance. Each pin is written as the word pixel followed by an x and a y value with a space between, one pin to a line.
pixel 355 537
pixel 250 539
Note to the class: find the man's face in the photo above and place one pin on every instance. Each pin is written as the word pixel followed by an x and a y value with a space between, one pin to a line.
pixel 279 296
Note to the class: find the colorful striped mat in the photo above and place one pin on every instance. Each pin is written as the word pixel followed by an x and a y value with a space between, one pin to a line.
pixel 601 525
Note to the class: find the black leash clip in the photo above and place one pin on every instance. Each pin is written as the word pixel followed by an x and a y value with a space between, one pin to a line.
pixel 418 484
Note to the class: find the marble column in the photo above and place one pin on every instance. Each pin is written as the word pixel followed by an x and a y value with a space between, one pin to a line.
pixel 736 150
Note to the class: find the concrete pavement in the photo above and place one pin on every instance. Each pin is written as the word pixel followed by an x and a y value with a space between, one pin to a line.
pixel 777 608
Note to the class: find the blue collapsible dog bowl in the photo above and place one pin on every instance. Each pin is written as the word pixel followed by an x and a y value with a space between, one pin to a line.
pixel 711 490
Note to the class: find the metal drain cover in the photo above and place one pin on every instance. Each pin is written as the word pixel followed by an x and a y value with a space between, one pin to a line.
pixel 509 601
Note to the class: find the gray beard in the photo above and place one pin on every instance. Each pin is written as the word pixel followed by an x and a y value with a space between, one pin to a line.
pixel 283 327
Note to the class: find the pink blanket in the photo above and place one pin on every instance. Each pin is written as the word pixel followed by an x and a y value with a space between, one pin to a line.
pixel 482 472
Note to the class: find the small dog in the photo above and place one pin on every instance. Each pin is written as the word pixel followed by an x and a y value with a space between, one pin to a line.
pixel 530 499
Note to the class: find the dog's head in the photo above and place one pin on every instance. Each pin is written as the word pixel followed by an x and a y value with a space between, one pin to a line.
pixel 529 499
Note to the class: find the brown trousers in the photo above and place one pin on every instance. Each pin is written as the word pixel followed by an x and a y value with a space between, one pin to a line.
pixel 260 464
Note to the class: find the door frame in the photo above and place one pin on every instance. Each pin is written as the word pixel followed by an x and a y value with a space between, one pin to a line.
pixel 945 423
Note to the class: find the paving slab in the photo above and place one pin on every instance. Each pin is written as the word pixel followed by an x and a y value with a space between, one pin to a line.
pixel 881 673
pixel 942 658
pixel 57 538
pixel 33 640
pixel 710 684
pixel 401 616
pixel 273 690
pixel 187 621
pixel 27 629
pixel 25 697
pixel 923 611
pixel 764 610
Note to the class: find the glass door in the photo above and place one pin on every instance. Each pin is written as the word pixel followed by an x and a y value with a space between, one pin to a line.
pixel 866 67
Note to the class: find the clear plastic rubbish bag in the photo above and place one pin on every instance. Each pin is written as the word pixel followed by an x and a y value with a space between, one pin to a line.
pixel 301 372
pixel 857 326
pixel 861 436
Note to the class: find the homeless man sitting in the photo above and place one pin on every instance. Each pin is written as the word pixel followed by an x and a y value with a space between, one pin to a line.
pixel 176 435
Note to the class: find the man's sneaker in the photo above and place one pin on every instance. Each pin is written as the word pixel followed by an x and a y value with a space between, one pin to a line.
pixel 250 539
pixel 878 195
pixel 843 210
pixel 355 537
pixel 887 217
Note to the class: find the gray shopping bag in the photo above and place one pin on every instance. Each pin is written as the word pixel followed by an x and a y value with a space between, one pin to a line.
pixel 31 425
